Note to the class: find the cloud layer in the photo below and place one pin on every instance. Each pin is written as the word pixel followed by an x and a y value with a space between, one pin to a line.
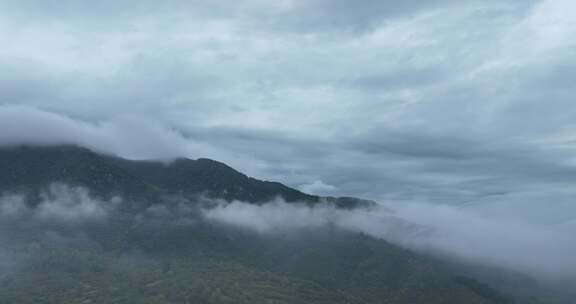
pixel 59 204
pixel 62 212
pixel 444 230
pixel 130 137
pixel 438 99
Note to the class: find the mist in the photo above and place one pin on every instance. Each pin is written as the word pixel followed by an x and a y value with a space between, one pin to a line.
pixel 56 217
pixel 125 135
pixel 542 251
pixel 58 203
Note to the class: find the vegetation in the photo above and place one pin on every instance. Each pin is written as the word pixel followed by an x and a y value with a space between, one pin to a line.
pixel 134 256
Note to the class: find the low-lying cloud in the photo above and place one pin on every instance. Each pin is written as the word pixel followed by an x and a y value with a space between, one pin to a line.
pixel 57 204
pixel 56 216
pixel 438 229
pixel 127 136
pixel 541 249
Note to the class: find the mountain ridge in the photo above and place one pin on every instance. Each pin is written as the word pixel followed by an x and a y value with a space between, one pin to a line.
pixel 103 173
pixel 153 232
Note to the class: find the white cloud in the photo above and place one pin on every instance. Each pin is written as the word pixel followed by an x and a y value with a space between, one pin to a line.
pixel 500 241
pixel 58 204
pixel 64 204
pixel 437 229
pixel 271 217
pixel 130 137
pixel 318 187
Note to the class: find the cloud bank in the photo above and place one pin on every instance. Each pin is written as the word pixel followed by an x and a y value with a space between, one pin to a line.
pixel 59 204
pixel 129 137
pixel 440 230
pixel 383 100
pixel 450 231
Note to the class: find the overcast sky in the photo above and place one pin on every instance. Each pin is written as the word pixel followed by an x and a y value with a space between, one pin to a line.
pixel 459 102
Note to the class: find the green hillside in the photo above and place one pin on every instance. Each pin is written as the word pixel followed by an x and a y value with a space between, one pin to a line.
pixel 134 255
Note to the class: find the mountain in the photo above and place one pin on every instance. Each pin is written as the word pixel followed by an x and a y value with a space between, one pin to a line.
pixel 28 168
pixel 78 226
pixel 33 167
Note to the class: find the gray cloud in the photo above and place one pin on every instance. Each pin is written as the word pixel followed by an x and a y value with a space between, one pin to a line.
pixel 284 16
pixel 344 15
pixel 462 103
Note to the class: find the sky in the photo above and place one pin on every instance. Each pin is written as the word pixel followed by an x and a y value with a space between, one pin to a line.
pixel 467 103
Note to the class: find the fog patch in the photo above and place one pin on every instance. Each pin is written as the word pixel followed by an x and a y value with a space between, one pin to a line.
pixel 318 187
pixel 543 251
pixel 62 203
pixel 272 217
pixel 281 217
pixel 56 217
pixel 57 204
pixel 129 136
